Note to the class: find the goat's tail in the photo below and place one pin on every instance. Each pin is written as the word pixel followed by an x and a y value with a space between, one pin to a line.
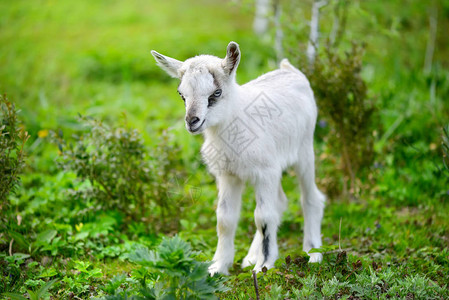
pixel 286 65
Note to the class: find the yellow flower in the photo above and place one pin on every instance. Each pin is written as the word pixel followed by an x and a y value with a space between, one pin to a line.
pixel 79 226
pixel 42 133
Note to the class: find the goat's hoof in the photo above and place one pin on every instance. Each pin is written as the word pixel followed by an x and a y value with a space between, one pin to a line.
pixel 217 268
pixel 315 257
pixel 259 268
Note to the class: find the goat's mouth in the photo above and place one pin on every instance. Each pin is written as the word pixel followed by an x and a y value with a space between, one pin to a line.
pixel 197 129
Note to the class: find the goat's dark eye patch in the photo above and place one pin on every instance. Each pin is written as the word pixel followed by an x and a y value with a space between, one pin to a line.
pixel 214 98
pixel 211 101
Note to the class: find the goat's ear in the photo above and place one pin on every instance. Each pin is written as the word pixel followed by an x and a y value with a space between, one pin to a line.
pixel 168 64
pixel 232 59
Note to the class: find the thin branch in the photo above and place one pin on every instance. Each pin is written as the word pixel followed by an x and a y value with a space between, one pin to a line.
pixel 260 25
pixel 430 49
pixel 339 236
pixel 338 250
pixel 279 35
pixel 314 30
pixel 10 247
pixel 256 286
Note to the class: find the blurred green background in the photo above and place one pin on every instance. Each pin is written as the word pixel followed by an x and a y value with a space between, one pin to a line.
pixel 59 58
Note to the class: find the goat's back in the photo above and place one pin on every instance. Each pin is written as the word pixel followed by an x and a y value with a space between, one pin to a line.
pixel 275 116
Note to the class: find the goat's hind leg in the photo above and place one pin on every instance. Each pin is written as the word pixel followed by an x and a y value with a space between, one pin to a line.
pixel 251 257
pixel 267 220
pixel 312 201
pixel 230 190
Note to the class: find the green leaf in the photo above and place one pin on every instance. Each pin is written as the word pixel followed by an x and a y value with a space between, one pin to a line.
pixel 143 256
pixel 14 296
pixel 245 275
pixel 33 295
pixel 323 249
pixel 199 271
pixel 20 256
pixel 81 236
pixel 43 239
pixel 316 250
pixel 20 239
pixel 48 273
pixel 46 236
pixel 43 290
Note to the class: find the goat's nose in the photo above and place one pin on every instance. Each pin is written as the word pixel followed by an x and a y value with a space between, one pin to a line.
pixel 192 120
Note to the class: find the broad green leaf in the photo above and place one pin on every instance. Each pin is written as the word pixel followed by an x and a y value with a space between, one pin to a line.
pixel 33 295
pixel 43 290
pixel 143 256
pixel 20 239
pixel 81 236
pixel 14 296
pixel 323 249
pixel 48 273
pixel 20 256
pixel 46 236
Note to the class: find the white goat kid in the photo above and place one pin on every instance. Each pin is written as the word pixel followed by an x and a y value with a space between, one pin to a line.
pixel 252 133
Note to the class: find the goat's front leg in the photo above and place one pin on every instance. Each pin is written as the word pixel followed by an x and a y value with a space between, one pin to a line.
pixel 267 218
pixel 230 190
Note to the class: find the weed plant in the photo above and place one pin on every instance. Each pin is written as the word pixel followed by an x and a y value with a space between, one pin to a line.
pixel 340 276
pixel 12 156
pixel 343 100
pixel 123 175
pixel 169 272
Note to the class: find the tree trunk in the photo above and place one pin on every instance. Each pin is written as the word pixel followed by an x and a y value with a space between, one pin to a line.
pixel 279 34
pixel 314 31
pixel 261 19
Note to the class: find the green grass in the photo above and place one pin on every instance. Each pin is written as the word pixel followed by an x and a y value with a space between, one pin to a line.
pixel 60 58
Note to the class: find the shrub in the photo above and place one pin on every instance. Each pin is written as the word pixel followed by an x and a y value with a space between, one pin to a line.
pixel 12 157
pixel 342 99
pixel 346 112
pixel 123 174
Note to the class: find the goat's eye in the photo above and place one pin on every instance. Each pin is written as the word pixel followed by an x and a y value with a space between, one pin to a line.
pixel 217 93
pixel 213 98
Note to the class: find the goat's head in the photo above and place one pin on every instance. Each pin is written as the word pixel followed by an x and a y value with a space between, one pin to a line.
pixel 206 84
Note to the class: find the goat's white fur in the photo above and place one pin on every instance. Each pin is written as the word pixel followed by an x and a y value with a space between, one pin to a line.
pixel 284 140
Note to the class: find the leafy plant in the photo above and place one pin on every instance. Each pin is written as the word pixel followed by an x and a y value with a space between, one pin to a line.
pixel 343 100
pixel 33 295
pixel 174 273
pixel 123 174
pixel 12 157
pixel 11 269
pixel 276 292
pixel 80 280
pixel 331 287
pixel 346 111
